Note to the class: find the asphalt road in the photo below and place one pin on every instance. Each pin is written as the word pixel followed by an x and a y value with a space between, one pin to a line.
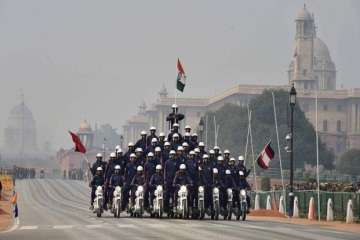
pixel 58 209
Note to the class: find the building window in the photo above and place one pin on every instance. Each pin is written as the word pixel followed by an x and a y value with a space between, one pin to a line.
pixel 325 125
pixel 338 125
pixel 325 107
pixel 339 108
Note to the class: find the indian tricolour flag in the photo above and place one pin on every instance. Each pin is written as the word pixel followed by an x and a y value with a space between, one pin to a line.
pixel 181 78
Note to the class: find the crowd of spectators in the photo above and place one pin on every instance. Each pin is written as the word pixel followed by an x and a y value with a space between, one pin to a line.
pixel 75 174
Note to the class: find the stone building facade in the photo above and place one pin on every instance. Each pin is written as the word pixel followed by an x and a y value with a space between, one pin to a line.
pixel 311 70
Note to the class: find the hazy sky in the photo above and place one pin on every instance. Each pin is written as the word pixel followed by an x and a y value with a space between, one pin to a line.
pixel 97 60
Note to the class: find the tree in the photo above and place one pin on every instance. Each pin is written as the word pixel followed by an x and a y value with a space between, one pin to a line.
pixel 349 162
pixel 233 121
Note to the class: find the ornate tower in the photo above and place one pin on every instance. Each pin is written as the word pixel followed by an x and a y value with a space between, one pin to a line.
pixel 86 134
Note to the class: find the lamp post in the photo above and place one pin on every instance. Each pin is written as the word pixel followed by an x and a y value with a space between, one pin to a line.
pixel 201 128
pixel 121 141
pixel 292 102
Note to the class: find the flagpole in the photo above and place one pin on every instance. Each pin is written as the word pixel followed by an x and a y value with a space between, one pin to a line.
pixel 317 153
pixel 252 153
pixel 278 143
pixel 206 131
pixel 248 133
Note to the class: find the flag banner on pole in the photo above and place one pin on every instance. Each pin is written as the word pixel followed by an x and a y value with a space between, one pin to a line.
pixel 79 147
pixel 181 77
pixel 266 155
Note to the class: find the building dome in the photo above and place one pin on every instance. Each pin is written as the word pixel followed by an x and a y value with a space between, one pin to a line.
pixel 85 126
pixel 21 115
pixel 321 51
pixel 303 14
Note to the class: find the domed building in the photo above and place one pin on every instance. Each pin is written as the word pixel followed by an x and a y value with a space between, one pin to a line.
pixel 20 133
pixel 311 67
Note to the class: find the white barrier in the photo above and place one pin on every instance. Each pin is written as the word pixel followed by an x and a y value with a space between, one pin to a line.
pixel 311 213
pixel 268 202
pixel 257 202
pixel 349 212
pixel 296 207
pixel 281 205
pixel 329 211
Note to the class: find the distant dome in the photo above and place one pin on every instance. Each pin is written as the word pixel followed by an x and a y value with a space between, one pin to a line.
pixel 321 51
pixel 303 14
pixel 84 126
pixel 20 115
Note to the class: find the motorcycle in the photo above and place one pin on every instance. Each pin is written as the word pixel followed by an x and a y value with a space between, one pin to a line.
pixel 215 204
pixel 139 202
pixel 201 202
pixel 228 211
pixel 116 202
pixel 158 202
pixel 243 207
pixel 98 201
pixel 182 208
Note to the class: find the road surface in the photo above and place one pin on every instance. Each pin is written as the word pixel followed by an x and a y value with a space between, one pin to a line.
pixel 58 209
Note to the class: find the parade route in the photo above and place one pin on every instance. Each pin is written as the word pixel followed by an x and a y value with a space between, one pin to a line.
pixel 58 209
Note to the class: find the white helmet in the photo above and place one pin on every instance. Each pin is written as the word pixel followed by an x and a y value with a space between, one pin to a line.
pixel 182 166
pixel 157 149
pixel 133 155
pixel 176 125
pixel 197 150
pixel 153 140
pixel 227 172
pixel 117 167
pixel 215 170
pixel 212 151
pixel 174 106
pixel 113 155
pixel 139 168
pixel 167 144
pixel 172 152
pixel 192 152
pixel 194 135
pixel 187 127
pixel 152 128
pixel 241 158
pixel 220 158
pixel 201 144
pixel 99 155
pixel 226 151
pixel 180 148
pixel 232 159
pixel 143 132
pixel 138 150
pixel 99 169
pixel 117 147
pixel 131 144
pixel 216 148
pixel 119 150
pixel 187 134
pixel 185 144
pixel 241 173
pixel 162 134
pixel 175 135
pixel 150 154
pixel 158 167
pixel 205 156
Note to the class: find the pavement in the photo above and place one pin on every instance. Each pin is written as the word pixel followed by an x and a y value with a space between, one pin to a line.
pixel 58 209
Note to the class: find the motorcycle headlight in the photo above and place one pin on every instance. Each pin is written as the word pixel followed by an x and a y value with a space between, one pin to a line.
pixel 118 189
pixel 159 188
pixel 201 189
pixel 99 188
pixel 243 192
pixel 140 189
pixel 183 188
pixel 229 191
pixel 216 190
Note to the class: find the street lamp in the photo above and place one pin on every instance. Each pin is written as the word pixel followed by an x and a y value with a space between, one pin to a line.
pixel 292 102
pixel 121 141
pixel 201 128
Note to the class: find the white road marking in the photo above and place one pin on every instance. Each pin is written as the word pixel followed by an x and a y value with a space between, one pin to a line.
pixel 28 227
pixel 126 225
pixel 94 226
pixel 62 226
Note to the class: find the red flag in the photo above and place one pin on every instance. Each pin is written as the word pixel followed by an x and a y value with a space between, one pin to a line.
pixel 266 155
pixel 79 147
pixel 180 68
